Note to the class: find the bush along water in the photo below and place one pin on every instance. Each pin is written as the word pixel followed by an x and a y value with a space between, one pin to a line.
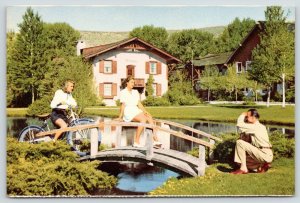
pixel 283 147
pixel 48 170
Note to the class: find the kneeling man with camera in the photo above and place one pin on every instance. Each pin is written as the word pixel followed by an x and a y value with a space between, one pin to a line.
pixel 254 153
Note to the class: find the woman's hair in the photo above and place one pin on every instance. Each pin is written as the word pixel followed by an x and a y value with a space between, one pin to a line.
pixel 254 113
pixel 124 83
pixel 66 84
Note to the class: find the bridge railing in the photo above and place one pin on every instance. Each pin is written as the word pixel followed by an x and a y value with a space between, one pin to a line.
pixel 209 142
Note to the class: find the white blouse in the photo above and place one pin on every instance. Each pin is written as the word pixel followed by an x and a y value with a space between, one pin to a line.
pixel 62 97
pixel 130 100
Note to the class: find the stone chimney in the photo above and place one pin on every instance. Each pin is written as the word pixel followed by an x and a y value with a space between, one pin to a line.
pixel 80 45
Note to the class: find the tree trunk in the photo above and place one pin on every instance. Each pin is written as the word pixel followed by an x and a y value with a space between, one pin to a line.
pixel 32 95
pixel 208 94
pixel 283 90
pixel 236 95
pixel 269 95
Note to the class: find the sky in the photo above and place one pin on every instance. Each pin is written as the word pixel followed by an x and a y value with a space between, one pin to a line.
pixel 126 17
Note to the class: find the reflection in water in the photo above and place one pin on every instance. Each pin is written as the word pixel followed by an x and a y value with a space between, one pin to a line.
pixel 137 177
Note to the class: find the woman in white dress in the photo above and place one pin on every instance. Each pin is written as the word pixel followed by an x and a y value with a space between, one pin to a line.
pixel 133 110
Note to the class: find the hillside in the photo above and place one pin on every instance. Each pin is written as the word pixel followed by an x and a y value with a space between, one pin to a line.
pixel 93 38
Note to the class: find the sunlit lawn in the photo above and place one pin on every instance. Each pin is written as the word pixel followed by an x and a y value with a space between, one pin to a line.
pixel 279 180
pixel 224 113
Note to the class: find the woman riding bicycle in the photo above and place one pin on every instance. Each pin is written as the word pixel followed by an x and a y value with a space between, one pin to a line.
pixel 59 104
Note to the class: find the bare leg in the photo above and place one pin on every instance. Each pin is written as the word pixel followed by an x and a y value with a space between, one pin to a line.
pixel 62 124
pixel 142 119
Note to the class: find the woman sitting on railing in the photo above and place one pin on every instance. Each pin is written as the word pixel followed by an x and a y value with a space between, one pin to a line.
pixel 133 110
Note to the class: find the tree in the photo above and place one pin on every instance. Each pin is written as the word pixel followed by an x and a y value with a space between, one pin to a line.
pixel 233 81
pixel 209 79
pixel 149 86
pixel 233 35
pixel 273 59
pixel 192 43
pixel 10 41
pixel 26 68
pixel 180 90
pixel 156 36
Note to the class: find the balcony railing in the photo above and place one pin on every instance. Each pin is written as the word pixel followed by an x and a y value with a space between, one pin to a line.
pixel 138 82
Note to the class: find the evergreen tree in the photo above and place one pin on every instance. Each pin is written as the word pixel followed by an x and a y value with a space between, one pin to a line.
pixel 26 68
pixel 149 86
pixel 156 36
pixel 273 59
pixel 10 41
pixel 233 35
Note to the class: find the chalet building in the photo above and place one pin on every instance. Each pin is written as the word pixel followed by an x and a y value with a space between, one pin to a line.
pixel 112 63
pixel 240 57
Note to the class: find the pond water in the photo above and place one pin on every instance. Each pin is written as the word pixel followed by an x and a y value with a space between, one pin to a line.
pixel 138 178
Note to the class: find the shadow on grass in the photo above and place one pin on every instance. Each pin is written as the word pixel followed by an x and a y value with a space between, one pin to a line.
pixel 237 106
pixel 225 169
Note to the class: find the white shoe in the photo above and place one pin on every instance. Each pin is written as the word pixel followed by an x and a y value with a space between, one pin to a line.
pixel 137 145
pixel 157 143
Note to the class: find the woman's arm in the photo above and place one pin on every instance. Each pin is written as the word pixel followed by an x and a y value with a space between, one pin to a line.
pixel 121 112
pixel 140 105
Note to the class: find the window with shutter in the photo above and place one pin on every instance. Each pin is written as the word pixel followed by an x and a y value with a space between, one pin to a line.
pixel 153 68
pixel 158 89
pixel 154 89
pixel 107 66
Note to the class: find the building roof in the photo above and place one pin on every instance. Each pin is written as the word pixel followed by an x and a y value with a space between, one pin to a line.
pixel 91 52
pixel 212 59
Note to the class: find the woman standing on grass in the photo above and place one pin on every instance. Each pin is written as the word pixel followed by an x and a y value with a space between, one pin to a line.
pixel 133 110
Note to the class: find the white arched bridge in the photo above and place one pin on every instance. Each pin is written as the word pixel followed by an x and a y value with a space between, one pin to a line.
pixel 171 159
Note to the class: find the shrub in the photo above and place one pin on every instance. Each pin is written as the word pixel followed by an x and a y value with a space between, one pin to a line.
pixel 46 170
pixel 224 151
pixel 156 101
pixel 40 106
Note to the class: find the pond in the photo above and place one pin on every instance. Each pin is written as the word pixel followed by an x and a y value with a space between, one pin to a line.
pixel 139 178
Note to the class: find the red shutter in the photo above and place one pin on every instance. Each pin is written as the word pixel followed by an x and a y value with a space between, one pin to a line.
pixel 114 66
pixel 158 89
pixel 101 66
pixel 158 68
pixel 101 89
pixel 147 68
pixel 114 89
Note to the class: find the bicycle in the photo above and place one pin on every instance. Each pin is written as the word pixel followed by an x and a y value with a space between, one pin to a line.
pixel 78 140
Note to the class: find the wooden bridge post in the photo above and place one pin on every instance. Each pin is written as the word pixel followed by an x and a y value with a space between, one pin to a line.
pixel 118 136
pixel 149 144
pixel 211 151
pixel 94 144
pixel 202 164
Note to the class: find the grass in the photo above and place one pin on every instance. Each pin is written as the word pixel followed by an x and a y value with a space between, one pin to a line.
pixel 16 112
pixel 279 180
pixel 219 113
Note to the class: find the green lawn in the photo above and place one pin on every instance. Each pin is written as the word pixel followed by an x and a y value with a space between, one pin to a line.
pixel 279 180
pixel 226 113
pixel 220 113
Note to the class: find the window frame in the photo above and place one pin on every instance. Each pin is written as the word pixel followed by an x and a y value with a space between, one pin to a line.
pixel 237 67
pixel 111 67
pixel 150 68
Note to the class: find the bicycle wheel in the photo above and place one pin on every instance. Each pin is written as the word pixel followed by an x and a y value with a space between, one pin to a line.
pixel 28 134
pixel 80 140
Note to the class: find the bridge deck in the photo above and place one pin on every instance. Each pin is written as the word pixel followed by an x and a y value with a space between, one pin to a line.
pixel 174 160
